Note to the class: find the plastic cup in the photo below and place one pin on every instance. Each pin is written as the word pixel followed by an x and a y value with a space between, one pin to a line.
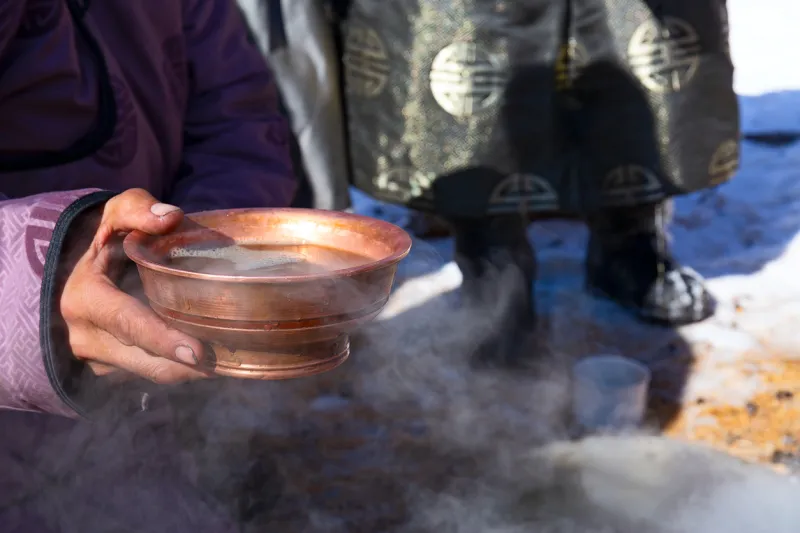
pixel 609 392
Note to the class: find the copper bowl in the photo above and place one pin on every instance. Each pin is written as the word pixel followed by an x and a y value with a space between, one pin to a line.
pixel 272 327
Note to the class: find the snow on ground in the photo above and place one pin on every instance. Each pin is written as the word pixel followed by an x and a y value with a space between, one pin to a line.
pixel 742 236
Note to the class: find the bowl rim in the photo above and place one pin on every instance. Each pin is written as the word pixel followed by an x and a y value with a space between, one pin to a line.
pixel 135 241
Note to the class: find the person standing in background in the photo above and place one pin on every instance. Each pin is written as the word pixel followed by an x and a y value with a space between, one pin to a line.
pixel 486 112
pixel 300 42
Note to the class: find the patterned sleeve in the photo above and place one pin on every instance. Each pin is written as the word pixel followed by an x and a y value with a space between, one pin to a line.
pixel 35 375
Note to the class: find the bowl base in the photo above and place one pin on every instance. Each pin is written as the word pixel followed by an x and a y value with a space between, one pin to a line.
pixel 283 362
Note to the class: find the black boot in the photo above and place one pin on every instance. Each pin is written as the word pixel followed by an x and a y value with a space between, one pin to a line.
pixel 628 261
pixel 498 265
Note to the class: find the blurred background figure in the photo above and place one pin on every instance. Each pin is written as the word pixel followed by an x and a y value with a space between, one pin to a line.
pixel 299 38
pixel 488 113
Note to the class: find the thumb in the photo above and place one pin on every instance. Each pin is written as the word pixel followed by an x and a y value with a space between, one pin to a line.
pixel 136 209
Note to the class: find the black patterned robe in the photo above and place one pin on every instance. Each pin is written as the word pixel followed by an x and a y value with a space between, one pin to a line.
pixel 476 107
pixel 473 107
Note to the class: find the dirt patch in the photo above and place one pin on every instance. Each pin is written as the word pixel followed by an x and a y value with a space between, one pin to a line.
pixel 765 429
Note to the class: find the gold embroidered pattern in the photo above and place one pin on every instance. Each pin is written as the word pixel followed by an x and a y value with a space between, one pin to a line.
pixel 664 55
pixel 465 79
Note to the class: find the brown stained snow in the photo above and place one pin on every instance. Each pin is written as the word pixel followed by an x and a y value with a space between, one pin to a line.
pixel 764 429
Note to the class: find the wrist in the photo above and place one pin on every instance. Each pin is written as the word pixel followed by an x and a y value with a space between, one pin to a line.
pixel 72 236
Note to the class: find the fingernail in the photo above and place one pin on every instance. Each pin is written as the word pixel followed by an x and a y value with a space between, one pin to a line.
pixel 186 355
pixel 161 210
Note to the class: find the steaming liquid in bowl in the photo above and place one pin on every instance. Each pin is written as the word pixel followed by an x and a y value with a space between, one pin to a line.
pixel 264 259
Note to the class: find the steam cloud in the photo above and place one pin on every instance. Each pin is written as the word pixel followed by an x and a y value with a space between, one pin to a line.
pixel 405 437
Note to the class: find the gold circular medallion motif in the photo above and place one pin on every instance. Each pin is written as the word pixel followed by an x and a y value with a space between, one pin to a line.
pixel 522 192
pixel 465 79
pixel 725 162
pixel 366 62
pixel 628 183
pixel 664 55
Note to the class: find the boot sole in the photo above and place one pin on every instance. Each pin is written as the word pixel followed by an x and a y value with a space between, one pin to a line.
pixel 646 317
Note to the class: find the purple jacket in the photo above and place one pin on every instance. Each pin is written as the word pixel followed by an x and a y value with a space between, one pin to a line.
pixel 167 95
